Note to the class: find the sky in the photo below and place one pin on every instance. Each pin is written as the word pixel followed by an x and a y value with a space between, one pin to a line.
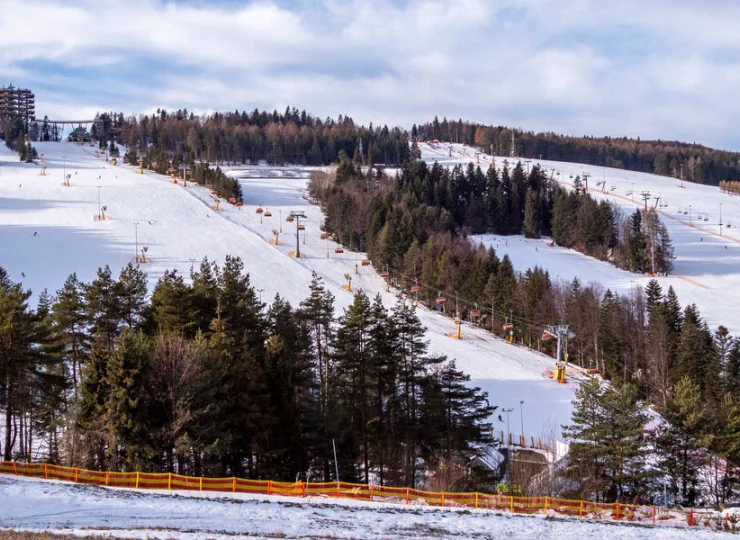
pixel 665 69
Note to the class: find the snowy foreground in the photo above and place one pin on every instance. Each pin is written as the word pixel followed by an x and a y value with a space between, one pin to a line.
pixel 36 505
pixel 48 231
pixel 707 265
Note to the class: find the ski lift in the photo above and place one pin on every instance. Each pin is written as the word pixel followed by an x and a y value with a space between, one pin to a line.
pixel 415 288
pixel 301 227
pixel 290 219
pixel 508 327
pixel 365 263
pixel 385 275
pixel 324 236
pixel 259 210
pixel 706 218
pixel 548 335
pixel 268 214
pixel 475 312
pixel 729 225
pixel 441 300
pixel 339 250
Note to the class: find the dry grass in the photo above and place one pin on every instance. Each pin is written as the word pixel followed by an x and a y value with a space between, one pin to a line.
pixel 20 535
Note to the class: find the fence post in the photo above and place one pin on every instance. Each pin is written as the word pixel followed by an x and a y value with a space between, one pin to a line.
pixel 305 485
pixel 372 492
pixel 545 503
pixel 616 511
pixel 443 498
pixel 15 467
pixel 77 475
pixel 476 499
pixel 580 512
pixel 269 487
pixel 234 485
pixel 137 479
pixel 407 495
pixel 511 503
pixel 169 481
pixel 691 517
pixel 338 488
pixel 106 477
pixel 46 472
pixel 201 483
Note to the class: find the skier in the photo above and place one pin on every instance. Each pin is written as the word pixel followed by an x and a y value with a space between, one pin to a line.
pixel 500 419
pixel 35 233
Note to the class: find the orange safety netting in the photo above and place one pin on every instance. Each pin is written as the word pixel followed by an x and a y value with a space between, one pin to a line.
pixel 346 490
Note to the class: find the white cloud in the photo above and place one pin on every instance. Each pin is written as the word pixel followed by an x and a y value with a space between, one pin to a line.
pixel 664 68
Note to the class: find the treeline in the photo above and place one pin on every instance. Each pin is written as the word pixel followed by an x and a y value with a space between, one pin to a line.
pixel 201 173
pixel 416 223
pixel 730 186
pixel 293 137
pixel 204 379
pixel 691 162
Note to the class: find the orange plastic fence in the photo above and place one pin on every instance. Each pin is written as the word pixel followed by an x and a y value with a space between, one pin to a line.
pixel 345 490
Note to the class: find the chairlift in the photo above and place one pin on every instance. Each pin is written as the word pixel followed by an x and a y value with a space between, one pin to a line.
pixel 268 214
pixel 290 219
pixel 548 335
pixel 301 227
pixel 385 275
pixel 706 218
pixel 441 300
pixel 365 263
pixel 339 250
pixel 415 288
pixel 508 327
pixel 475 312
pixel 324 236
pixel 259 210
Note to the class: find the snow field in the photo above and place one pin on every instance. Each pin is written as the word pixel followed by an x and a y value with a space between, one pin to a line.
pixel 42 505
pixel 707 265
pixel 47 231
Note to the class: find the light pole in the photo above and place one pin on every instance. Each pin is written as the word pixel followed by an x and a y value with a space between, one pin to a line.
pixel 507 411
pixel 98 202
pixel 720 219
pixel 260 291
pixel 690 225
pixel 521 410
pixel 136 227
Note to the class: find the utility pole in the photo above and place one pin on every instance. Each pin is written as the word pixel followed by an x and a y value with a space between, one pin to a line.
pixel 260 291
pixel 297 216
pixel 586 176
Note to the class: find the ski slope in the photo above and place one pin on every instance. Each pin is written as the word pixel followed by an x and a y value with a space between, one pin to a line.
pixel 48 231
pixel 90 510
pixel 707 265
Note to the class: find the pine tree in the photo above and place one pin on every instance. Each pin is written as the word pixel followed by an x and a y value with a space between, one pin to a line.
pixel 531 217
pixel 681 436
pixel 125 404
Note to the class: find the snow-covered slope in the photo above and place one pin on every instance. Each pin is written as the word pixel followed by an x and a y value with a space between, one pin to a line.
pixel 707 265
pixel 48 231
pixel 61 507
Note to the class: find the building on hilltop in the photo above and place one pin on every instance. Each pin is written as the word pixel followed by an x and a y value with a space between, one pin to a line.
pixel 17 103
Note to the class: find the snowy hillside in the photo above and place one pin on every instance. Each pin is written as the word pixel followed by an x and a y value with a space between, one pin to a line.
pixel 38 505
pixel 48 231
pixel 707 265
